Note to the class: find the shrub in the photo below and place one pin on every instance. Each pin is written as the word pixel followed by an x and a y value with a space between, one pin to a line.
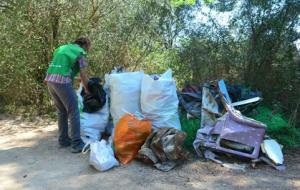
pixel 278 127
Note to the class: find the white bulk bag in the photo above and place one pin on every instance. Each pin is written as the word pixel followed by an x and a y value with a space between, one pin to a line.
pixel 125 92
pixel 159 101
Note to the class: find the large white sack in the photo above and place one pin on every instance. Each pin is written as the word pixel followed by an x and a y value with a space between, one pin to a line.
pixel 159 101
pixel 125 92
pixel 92 124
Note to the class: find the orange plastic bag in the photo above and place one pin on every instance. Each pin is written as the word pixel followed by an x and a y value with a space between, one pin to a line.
pixel 130 135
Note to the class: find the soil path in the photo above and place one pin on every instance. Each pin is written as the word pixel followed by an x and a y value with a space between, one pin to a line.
pixel 31 160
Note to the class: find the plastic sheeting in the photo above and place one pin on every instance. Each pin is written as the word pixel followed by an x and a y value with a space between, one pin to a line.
pixel 130 134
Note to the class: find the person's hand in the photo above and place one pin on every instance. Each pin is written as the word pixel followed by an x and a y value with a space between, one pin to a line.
pixel 86 91
pixel 78 79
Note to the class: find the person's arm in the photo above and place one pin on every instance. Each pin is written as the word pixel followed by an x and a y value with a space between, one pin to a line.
pixel 84 79
pixel 83 73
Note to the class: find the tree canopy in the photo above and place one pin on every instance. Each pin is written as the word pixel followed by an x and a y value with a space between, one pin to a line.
pixel 253 45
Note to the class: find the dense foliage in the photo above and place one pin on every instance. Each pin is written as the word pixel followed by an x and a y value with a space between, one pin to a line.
pixel 254 46
pixel 278 128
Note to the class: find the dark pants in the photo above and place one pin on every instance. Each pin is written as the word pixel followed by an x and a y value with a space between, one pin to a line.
pixel 65 100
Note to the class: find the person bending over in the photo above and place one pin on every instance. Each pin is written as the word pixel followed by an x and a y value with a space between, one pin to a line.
pixel 68 61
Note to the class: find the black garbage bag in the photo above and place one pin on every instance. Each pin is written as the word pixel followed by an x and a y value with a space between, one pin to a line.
pixel 96 99
pixel 240 93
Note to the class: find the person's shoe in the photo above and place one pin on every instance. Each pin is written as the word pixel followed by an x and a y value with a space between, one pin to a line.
pixel 65 143
pixel 78 148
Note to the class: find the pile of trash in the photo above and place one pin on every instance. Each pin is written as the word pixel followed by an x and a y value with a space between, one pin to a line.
pixel 140 115
pixel 225 130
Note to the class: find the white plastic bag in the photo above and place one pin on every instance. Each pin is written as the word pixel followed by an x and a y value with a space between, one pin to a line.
pixel 80 98
pixel 102 156
pixel 159 101
pixel 92 124
pixel 125 93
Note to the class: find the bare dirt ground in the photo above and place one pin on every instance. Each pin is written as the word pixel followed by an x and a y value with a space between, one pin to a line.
pixel 31 159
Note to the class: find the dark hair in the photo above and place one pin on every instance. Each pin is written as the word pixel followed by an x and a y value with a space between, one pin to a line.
pixel 83 42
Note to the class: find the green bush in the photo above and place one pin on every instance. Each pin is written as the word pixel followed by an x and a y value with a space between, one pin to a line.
pixel 190 126
pixel 278 127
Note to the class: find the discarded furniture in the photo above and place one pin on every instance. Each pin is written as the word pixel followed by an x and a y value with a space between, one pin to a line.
pixel 238 134
pixel 232 133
